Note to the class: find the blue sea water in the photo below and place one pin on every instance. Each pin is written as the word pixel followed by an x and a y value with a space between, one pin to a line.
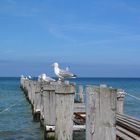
pixel 16 122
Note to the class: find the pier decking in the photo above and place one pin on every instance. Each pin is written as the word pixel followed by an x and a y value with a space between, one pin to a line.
pixel 101 117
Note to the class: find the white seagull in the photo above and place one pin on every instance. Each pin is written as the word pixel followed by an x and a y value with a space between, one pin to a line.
pixel 61 74
pixel 44 77
pixel 29 77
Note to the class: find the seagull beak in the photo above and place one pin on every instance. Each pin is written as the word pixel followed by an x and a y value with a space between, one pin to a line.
pixel 52 65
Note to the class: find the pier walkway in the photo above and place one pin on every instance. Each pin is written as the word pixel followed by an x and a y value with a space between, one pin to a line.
pixel 61 110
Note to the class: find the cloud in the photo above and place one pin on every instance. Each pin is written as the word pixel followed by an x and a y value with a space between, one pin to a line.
pixel 112 42
pixel 107 33
pixel 108 28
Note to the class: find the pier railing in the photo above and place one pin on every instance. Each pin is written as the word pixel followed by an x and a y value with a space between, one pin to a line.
pixel 61 111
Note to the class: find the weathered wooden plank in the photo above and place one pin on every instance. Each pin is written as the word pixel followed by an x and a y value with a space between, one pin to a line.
pixel 26 87
pixel 126 134
pixel 35 88
pixel 81 95
pixel 79 127
pixel 79 107
pixel 132 127
pixel 22 82
pixel 29 90
pixel 100 113
pixel 129 118
pixel 37 98
pixel 42 85
pixel 75 128
pixel 64 111
pixel 129 122
pixel 49 104
pixel 120 101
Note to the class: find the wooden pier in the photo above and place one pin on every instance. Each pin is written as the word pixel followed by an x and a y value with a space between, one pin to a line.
pixel 100 116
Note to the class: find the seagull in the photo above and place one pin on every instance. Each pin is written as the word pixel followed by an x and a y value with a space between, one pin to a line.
pixel 29 77
pixel 44 77
pixel 61 74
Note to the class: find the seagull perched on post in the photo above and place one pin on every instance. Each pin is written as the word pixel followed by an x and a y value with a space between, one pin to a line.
pixel 44 77
pixel 29 77
pixel 62 74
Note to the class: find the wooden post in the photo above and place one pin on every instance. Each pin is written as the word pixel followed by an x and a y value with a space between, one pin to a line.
pixel 23 85
pixel 49 109
pixel 33 90
pixel 64 111
pixel 43 87
pixel 42 109
pixel 22 82
pixel 120 101
pixel 30 91
pixel 81 95
pixel 49 104
pixel 42 84
pixel 26 87
pixel 37 102
pixel 100 113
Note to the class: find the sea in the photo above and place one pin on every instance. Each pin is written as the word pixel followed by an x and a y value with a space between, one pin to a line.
pixel 16 121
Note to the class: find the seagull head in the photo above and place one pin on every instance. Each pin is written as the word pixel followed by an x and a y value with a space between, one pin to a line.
pixel 55 64
pixel 43 76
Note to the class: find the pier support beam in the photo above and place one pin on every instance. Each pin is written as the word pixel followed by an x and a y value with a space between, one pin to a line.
pixel 64 111
pixel 49 109
pixel 81 95
pixel 26 87
pixel 37 102
pixel 100 113
pixel 120 101
pixel 33 90
pixel 49 104
pixel 30 91
pixel 22 83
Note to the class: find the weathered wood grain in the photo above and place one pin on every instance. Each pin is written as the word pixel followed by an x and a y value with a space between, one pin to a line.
pixel 81 95
pixel 101 113
pixel 49 104
pixel 64 111
pixel 120 101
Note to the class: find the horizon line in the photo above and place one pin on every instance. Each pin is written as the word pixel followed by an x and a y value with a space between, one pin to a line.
pixel 71 78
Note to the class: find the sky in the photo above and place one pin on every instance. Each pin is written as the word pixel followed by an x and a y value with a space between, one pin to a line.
pixel 95 38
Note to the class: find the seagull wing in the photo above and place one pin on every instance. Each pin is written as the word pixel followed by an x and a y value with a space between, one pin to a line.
pixel 65 73
pixel 49 79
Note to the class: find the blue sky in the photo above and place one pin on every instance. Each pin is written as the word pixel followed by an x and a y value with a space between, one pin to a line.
pixel 95 38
